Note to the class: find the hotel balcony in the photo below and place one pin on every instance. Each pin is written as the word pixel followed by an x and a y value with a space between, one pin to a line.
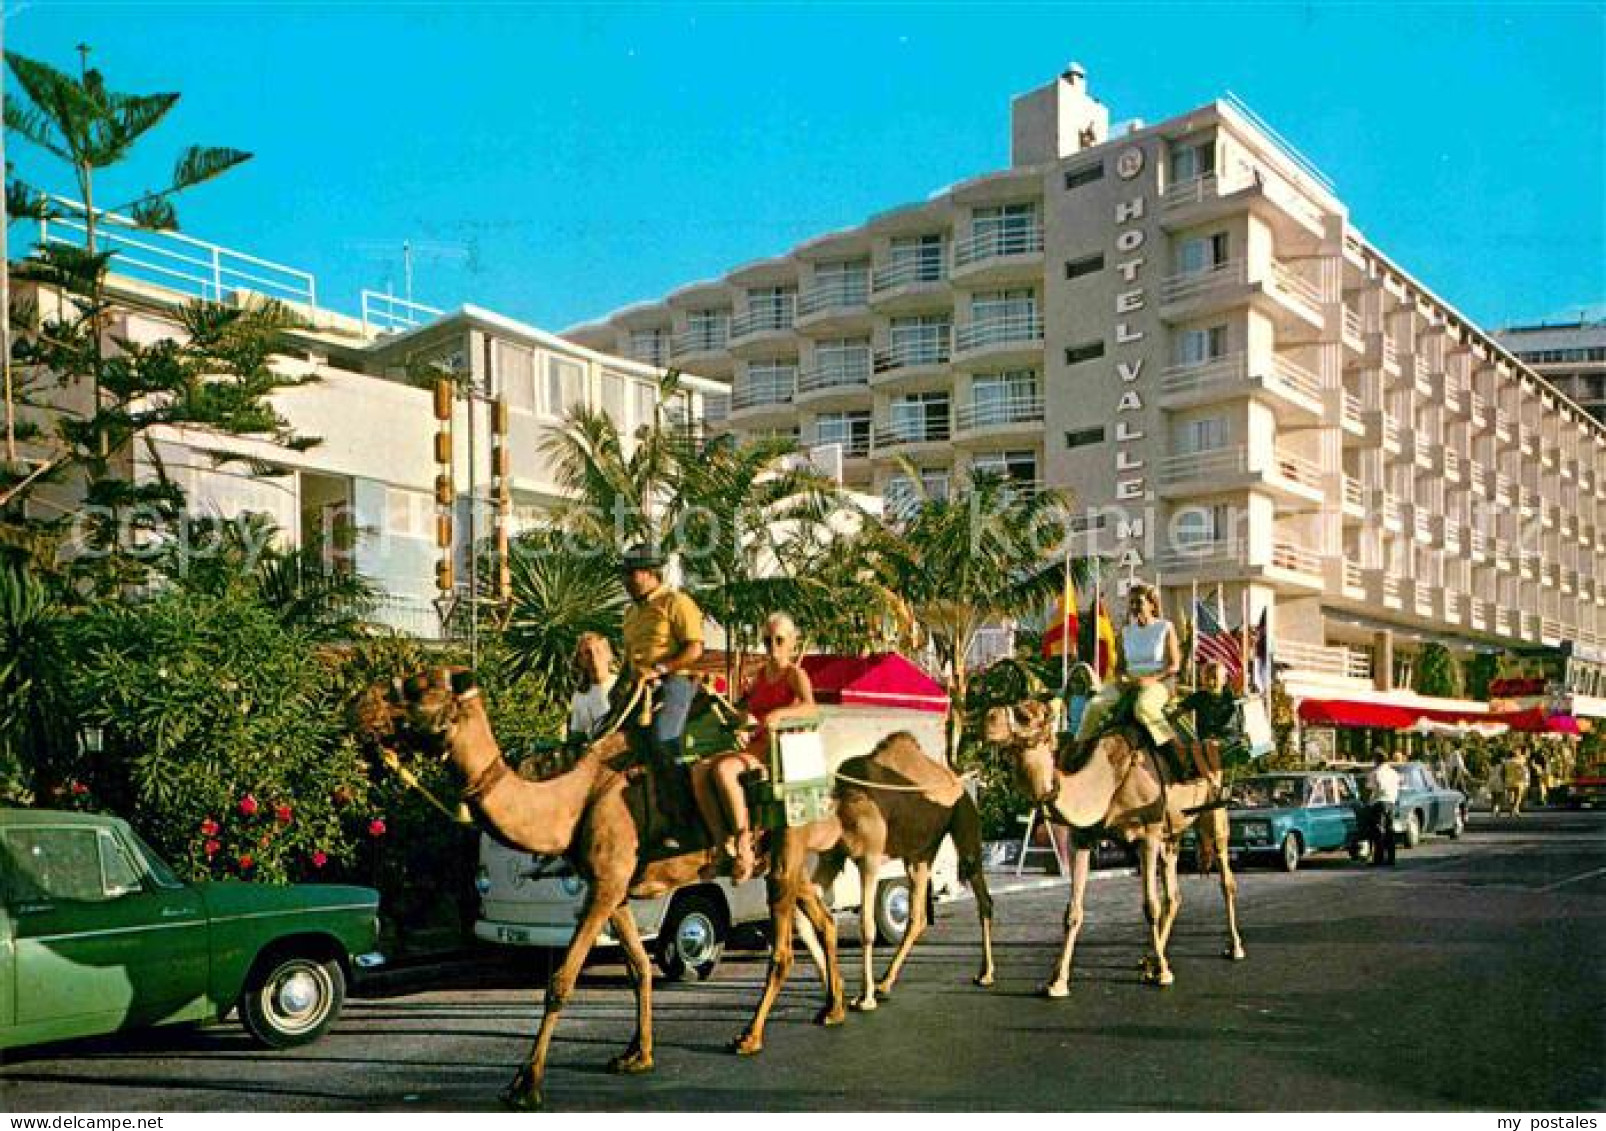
pixel 914 285
pixel 1288 387
pixel 1477 545
pixel 1200 200
pixel 835 307
pixel 1389 511
pixel 762 328
pixel 854 448
pixel 1383 588
pixel 1421 371
pixel 911 437
pixel 1352 663
pixel 768 397
pixel 1382 352
pixel 838 383
pixel 1352 419
pixel 1447 531
pixel 1011 254
pixel 1015 339
pixel 1449 606
pixel 1478 411
pixel 701 344
pixel 1351 580
pixel 913 363
pixel 997 418
pixel 1295 567
pixel 1551 631
pixel 1480 614
pixel 1419 523
pixel 1455 396
pixel 1293 481
pixel 1381 430
pixel 1290 300
pixel 1354 500
pixel 1352 332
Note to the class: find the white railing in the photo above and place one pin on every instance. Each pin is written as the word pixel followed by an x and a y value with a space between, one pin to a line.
pixel 994 412
pixel 416 616
pixel 1296 287
pixel 1551 629
pixel 1391 431
pixel 1352 409
pixel 1353 495
pixel 1212 464
pixel 1423 369
pixel 1389 587
pixel 387 314
pixel 933 349
pixel 1298 469
pixel 1186 555
pixel 1354 576
pixel 999 243
pixel 776 387
pixel 925 269
pixel 853 446
pixel 1325 659
pixel 1295 558
pixel 846 374
pixel 1353 327
pixel 1452 463
pixel 1192 284
pixel 1389 350
pixel 1296 377
pixel 1189 377
pixel 1451 534
pixel 764 319
pixel 999 330
pixel 181 263
pixel 704 339
pixel 837 294
pixel 1421 524
pixel 891 434
pixel 1389 508
pixel 1479 408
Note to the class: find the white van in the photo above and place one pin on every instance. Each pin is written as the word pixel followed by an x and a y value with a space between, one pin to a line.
pixel 531 900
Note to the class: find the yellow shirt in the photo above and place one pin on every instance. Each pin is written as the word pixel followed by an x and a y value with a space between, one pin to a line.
pixel 660 627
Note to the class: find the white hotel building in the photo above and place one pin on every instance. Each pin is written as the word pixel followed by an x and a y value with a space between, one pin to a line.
pixel 1180 324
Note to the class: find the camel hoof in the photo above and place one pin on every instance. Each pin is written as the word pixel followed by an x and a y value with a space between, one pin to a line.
pixel 1054 990
pixel 747 1045
pixel 831 1015
pixel 983 979
pixel 1160 978
pixel 631 1063
pixel 884 990
pixel 523 1094
pixel 865 1005
pixel 1234 954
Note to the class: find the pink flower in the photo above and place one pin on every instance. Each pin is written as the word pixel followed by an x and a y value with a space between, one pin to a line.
pixel 246 862
pixel 282 813
pixel 79 789
pixel 320 858
pixel 212 847
pixel 209 827
pixel 248 805
pixel 376 827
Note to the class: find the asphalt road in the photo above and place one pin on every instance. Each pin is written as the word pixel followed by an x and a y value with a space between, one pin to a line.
pixel 1470 977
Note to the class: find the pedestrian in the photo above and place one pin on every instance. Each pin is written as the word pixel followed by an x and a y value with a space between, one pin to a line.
pixel 1538 777
pixel 1456 769
pixel 1514 777
pixel 1383 792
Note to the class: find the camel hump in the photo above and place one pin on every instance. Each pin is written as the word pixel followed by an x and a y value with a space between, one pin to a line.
pixel 899 760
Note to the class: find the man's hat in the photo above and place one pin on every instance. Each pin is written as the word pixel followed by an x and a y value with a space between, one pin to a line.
pixel 643 555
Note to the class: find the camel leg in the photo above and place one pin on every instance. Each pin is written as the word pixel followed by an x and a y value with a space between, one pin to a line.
pixel 811 942
pixel 1060 984
pixel 525 1090
pixel 1170 894
pixel 638 1056
pixel 820 922
pixel 920 881
pixel 869 881
pixel 1154 967
pixel 965 828
pixel 1229 884
pixel 783 912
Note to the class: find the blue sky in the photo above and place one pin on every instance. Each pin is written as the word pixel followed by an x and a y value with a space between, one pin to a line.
pixel 565 161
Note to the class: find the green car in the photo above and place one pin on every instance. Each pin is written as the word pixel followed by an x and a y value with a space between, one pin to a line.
pixel 97 934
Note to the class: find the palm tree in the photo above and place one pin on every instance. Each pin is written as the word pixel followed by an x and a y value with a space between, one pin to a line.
pixel 986 553
pixel 560 591
pixel 36 734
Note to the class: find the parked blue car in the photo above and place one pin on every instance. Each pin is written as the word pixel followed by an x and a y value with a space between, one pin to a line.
pixel 1427 806
pixel 1288 816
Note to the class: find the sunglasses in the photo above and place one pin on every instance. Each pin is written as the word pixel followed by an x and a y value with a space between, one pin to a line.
pixel 776 639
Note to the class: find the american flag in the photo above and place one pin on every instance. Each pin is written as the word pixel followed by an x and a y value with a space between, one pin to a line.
pixel 1214 641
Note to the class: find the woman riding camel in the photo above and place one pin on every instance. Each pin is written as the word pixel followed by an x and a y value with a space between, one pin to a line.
pixel 1150 655
pixel 594 666
pixel 780 689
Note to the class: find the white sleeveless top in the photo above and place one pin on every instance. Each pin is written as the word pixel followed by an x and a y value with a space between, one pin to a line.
pixel 1144 645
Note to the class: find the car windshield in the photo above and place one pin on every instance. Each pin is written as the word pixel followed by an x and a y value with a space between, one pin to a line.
pixel 1269 793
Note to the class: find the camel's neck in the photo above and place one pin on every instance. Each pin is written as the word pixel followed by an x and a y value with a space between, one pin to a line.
pixel 1085 793
pixel 535 816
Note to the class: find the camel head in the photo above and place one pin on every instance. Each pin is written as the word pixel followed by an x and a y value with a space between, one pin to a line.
pixel 1028 732
pixel 416 712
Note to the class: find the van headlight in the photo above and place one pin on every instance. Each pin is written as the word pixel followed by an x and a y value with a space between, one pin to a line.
pixel 572 884
pixel 482 880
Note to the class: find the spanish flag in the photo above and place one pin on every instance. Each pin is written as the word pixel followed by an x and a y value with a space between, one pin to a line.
pixel 1064 627
pixel 1102 647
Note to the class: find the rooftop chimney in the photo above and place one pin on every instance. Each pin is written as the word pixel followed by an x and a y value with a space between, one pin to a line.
pixel 1057 120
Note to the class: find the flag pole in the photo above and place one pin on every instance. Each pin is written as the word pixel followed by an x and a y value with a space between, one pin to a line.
pixel 1193 637
pixel 1065 625
pixel 1243 643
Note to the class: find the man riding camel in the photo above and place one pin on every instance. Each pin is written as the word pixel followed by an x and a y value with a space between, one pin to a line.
pixel 663 639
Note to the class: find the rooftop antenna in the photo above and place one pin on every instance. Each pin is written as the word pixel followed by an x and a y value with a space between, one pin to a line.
pixel 444 252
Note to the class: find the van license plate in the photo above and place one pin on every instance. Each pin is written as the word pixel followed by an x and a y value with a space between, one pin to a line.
pixel 512 935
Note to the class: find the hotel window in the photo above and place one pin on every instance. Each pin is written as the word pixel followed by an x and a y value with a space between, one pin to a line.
pixel 1087 265
pixel 613 397
pixel 1076 178
pixel 1195 347
pixel 1190 160
pixel 1204 253
pixel 708 329
pixel 1017 307
pixel 850 429
pixel 1018 466
pixel 921 340
pixel 843 359
pixel 1003 398
pixel 922 255
pixel 772 308
pixel 1085 436
pixel 650 346
pixel 1202 526
pixel 409 514
pixel 565 385
pixel 847 282
pixel 1085 352
pixel 1009 229
pixel 920 417
pixel 1205 434
pixel 515 367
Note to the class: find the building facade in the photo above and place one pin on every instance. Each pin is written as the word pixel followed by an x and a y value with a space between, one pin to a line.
pixel 1181 325
pixel 1570 355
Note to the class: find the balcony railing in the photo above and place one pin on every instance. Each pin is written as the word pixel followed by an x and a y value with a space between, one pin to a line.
pixel 1296 377
pixel 702 340
pixel 1353 326
pixel 930 269
pixel 998 331
pixel 1296 287
pixel 1353 495
pixel 776 388
pixel 1219 463
pixel 1298 469
pixel 764 319
pixel 1390 352
pixel 1295 558
pixel 907 355
pixel 854 446
pixel 1205 554
pixel 1352 409
pixel 1192 284
pixel 840 375
pixel 997 244
pixel 993 412
pixel 1354 576
pixel 1325 659
pixel 892 434
pixel 835 294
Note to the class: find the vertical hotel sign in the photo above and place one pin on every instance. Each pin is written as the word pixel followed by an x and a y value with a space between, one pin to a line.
pixel 1131 484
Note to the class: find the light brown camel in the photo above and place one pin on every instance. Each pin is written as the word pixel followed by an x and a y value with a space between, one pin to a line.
pixel 585 815
pixel 1118 788
pixel 913 803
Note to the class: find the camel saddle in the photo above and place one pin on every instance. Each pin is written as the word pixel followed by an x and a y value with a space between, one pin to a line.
pixel 795 788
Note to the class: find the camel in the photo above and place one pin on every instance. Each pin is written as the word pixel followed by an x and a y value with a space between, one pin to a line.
pixel 1121 789
pixel 896 803
pixel 584 815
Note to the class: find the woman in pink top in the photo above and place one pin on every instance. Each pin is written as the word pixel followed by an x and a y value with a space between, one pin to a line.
pixel 779 689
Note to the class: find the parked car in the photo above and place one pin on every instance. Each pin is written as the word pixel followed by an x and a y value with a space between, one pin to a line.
pixel 1427 806
pixel 1288 816
pixel 99 935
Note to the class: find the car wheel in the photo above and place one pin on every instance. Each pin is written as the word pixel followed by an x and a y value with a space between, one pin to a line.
pixel 893 904
pixel 1413 829
pixel 292 999
pixel 1292 852
pixel 691 940
pixel 1459 825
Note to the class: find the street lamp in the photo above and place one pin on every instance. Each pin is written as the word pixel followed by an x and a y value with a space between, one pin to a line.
pixel 91 739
